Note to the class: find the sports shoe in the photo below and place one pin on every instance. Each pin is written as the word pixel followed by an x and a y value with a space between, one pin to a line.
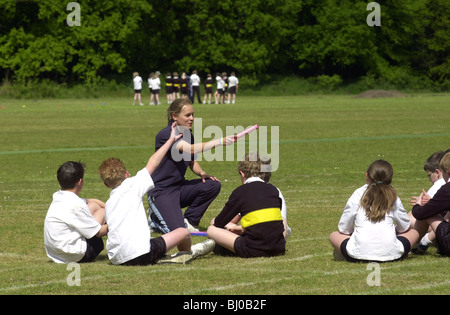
pixel 178 258
pixel 419 250
pixel 203 248
pixel 190 227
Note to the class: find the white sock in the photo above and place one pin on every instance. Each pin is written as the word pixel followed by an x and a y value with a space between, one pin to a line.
pixel 425 241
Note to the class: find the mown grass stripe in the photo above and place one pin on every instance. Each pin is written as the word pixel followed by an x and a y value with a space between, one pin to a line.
pixel 322 140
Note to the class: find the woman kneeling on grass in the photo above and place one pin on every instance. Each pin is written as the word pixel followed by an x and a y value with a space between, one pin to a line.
pixel 257 205
pixel 366 230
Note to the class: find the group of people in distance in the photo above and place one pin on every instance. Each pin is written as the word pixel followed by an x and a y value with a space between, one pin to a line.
pixel 187 87
pixel 374 226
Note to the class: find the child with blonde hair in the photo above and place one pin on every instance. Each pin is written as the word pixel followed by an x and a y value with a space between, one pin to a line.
pixel 374 225
pixel 137 82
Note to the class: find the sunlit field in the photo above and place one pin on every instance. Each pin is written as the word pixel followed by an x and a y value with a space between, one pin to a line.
pixel 323 146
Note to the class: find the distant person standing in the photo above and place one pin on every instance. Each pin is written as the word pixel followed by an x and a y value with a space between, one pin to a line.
pixel 208 88
pixel 225 87
pixel 195 83
pixel 137 81
pixel 154 83
pixel 233 84
pixel 176 86
pixel 184 86
pixel 169 87
pixel 220 91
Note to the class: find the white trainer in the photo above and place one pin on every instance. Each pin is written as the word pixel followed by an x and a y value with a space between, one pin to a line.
pixel 203 248
pixel 190 227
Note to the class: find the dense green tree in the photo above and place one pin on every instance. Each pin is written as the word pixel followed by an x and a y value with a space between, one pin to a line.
pixel 40 43
pixel 256 38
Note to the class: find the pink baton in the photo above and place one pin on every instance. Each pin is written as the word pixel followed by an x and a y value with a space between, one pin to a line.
pixel 246 131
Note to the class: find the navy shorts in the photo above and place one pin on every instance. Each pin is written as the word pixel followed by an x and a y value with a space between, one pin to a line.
pixel 157 251
pixel 93 249
pixel 443 238
pixel 242 250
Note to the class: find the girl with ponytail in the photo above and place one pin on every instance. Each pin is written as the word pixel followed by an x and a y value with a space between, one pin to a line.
pixel 374 225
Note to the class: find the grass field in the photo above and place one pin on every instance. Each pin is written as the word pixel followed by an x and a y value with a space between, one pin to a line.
pixel 325 146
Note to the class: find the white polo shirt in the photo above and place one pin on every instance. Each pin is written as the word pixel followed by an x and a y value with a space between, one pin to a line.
pixel 232 81
pixel 67 225
pixel 128 230
pixel 195 80
pixel 154 84
pixel 373 241
pixel 137 81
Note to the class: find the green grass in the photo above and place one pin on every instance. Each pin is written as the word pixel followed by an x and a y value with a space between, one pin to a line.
pixel 326 144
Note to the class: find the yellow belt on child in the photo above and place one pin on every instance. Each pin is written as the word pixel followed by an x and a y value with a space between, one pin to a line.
pixel 261 216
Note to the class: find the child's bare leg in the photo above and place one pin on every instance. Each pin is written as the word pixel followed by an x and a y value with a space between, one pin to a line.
pixel 412 235
pixel 179 237
pixel 222 237
pixel 97 211
pixel 435 221
pixel 336 239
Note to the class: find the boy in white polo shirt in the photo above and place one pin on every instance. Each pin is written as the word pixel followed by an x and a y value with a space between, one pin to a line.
pixel 129 241
pixel 73 226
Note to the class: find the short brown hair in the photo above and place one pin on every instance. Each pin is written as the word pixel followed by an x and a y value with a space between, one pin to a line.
pixel 112 172
pixel 432 163
pixel 251 166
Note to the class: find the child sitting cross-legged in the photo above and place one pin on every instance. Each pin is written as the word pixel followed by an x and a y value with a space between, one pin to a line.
pixel 257 205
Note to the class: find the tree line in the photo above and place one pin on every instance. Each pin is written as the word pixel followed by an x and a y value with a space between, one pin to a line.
pixel 255 38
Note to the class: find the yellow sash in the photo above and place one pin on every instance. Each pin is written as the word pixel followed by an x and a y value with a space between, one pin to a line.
pixel 261 216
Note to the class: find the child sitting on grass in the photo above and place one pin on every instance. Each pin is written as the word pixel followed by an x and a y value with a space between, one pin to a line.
pixel 436 212
pixel 73 227
pixel 129 240
pixel 257 205
pixel 367 230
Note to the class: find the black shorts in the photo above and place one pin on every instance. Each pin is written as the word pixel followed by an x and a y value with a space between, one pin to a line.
pixel 154 92
pixel 404 240
pixel 157 251
pixel 232 90
pixel 220 91
pixel 93 249
pixel 137 91
pixel 243 251
pixel 443 238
